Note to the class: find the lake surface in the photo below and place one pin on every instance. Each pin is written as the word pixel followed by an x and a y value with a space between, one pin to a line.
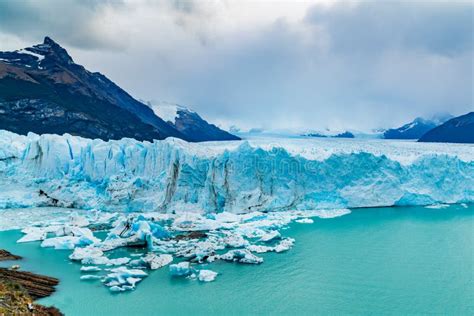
pixel 409 260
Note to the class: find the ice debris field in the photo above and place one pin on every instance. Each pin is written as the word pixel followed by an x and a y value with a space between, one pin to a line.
pixel 187 205
pixel 183 243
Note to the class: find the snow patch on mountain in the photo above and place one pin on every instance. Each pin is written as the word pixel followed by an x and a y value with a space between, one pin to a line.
pixel 28 52
pixel 167 111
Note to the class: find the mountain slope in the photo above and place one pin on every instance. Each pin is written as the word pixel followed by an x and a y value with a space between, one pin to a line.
pixel 42 90
pixel 416 128
pixel 189 123
pixel 457 130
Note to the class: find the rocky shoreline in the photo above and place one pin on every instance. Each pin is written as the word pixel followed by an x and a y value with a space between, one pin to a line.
pixel 18 290
pixel 5 255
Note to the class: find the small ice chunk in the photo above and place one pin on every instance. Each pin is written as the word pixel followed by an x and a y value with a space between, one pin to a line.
pixel 437 206
pixel 123 278
pixel 132 281
pixel 75 231
pixel 235 241
pixel 272 235
pixel 305 221
pixel 157 261
pixel 116 288
pixel 69 242
pixel 117 261
pixel 242 256
pixel 90 277
pixel 112 283
pixel 181 269
pixel 95 260
pixel 128 287
pixel 129 272
pixel 87 252
pixel 207 275
pixel 260 249
pixel 33 234
pixel 65 242
pixel 284 245
pixel 90 269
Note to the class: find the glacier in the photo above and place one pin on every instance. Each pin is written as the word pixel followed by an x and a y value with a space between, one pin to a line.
pixel 236 177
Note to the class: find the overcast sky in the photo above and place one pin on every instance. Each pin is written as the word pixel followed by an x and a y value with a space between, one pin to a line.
pixel 268 64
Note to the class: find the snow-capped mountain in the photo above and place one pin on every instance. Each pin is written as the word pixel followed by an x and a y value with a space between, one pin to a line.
pixel 42 90
pixel 189 123
pixel 417 128
pixel 457 130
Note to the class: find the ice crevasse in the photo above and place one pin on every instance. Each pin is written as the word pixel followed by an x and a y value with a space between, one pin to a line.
pixel 236 177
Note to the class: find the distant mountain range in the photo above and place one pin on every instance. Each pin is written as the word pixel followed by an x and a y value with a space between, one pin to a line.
pixel 189 123
pixel 439 128
pixel 304 133
pixel 345 134
pixel 456 130
pixel 417 128
pixel 42 90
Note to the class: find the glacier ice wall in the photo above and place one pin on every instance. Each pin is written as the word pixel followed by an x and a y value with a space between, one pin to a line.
pixel 238 177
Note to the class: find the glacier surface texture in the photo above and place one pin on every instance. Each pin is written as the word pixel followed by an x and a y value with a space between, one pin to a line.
pixel 236 177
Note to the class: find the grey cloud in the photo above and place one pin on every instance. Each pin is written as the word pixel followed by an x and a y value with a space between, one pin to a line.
pixel 68 21
pixel 438 27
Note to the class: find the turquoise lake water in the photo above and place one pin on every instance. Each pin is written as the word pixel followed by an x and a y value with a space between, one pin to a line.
pixel 410 260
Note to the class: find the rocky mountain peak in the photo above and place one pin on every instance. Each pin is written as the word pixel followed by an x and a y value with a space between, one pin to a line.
pixel 55 51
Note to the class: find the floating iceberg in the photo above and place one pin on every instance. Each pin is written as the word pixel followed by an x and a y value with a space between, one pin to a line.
pixel 123 279
pixel 272 235
pixel 284 245
pixel 206 275
pixel 232 177
pixel 157 261
pixel 90 277
pixel 305 221
pixel 33 234
pixel 242 256
pixel 90 269
pixel 86 253
pixel 181 269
